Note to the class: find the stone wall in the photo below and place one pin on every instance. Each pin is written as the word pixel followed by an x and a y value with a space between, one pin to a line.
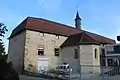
pixel 49 41
pixel 87 58
pixel 16 51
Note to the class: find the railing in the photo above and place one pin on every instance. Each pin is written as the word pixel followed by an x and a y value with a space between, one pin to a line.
pixel 99 73
pixel 115 71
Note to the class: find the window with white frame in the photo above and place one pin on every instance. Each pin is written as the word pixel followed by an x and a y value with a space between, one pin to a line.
pixel 41 34
pixel 57 36
pixel 40 50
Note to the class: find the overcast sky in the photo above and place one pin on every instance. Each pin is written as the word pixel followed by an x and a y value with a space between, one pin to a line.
pixel 98 16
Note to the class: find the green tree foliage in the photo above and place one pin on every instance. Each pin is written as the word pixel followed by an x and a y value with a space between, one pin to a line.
pixel 2 49
pixel 7 72
pixel 3 30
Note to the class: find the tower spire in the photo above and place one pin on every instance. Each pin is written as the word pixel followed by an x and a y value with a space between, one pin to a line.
pixel 78 21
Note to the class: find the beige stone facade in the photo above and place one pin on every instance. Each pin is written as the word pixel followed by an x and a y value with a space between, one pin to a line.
pixel 49 41
pixel 23 49
pixel 33 45
pixel 26 54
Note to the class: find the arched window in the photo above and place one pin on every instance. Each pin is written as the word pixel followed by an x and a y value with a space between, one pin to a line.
pixel 76 54
pixel 96 53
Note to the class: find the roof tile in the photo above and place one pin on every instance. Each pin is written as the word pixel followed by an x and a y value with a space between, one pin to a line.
pixel 43 25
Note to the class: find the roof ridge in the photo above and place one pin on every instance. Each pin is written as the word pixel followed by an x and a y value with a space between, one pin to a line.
pixel 19 27
pixel 58 23
pixel 83 33
pixel 40 24
pixel 98 35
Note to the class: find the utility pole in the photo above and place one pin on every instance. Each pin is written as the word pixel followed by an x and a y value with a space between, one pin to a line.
pixel 79 62
pixel 102 71
pixel 101 64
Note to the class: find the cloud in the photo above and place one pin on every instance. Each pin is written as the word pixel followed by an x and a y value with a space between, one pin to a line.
pixel 50 6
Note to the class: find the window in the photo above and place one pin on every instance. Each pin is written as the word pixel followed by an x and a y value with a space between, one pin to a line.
pixel 76 53
pixel 110 52
pixel 41 34
pixel 110 62
pixel 95 51
pixel 41 51
pixel 113 62
pixel 103 53
pixel 56 51
pixel 118 38
pixel 57 36
pixel 117 49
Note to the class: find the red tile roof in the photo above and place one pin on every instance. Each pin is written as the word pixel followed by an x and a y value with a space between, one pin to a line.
pixel 80 38
pixel 43 25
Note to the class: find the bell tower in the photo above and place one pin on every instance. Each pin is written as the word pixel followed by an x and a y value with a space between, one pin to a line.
pixel 78 21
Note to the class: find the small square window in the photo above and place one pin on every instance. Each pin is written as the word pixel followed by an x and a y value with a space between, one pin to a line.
pixel 41 34
pixel 40 51
pixel 57 36
pixel 56 51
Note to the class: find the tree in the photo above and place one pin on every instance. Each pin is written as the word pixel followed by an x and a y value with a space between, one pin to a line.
pixel 3 30
pixel 7 72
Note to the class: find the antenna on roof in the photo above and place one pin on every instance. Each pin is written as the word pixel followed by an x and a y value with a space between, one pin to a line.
pixel 77 7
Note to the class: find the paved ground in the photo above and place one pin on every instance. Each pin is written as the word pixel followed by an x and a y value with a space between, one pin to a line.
pixel 24 77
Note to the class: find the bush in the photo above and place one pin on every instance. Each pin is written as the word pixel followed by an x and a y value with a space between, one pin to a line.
pixel 7 72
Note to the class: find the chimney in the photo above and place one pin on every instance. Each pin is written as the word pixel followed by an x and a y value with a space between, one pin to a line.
pixel 78 21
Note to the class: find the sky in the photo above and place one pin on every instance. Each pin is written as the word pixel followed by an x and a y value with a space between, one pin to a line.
pixel 98 16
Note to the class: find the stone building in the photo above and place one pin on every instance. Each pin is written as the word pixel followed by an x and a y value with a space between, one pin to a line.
pixel 38 43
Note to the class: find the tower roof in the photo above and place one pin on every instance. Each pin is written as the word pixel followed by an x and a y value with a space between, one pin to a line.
pixel 77 16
